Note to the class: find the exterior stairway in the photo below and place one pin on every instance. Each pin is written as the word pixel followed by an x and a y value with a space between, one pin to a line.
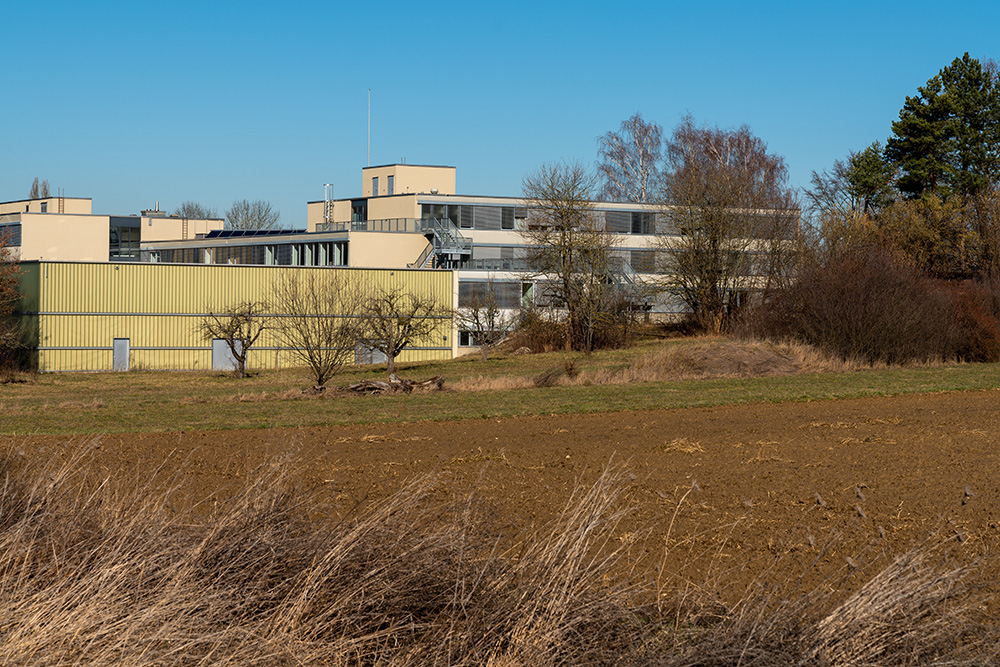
pixel 447 247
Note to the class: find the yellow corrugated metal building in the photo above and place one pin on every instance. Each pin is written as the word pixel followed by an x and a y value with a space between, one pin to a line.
pixel 78 313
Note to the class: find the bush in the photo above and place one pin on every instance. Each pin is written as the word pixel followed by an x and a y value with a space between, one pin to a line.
pixel 976 309
pixel 537 332
pixel 863 304
pixel 546 331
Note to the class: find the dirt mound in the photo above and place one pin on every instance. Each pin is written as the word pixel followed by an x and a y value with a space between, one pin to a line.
pixel 722 359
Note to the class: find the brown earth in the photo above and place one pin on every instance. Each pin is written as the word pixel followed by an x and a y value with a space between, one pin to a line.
pixel 728 489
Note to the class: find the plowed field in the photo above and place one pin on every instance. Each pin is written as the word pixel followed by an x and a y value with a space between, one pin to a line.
pixel 732 485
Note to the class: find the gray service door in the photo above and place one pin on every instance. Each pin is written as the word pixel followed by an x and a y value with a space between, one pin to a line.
pixel 120 354
pixel 222 356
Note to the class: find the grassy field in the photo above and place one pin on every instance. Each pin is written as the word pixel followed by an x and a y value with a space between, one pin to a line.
pixel 76 403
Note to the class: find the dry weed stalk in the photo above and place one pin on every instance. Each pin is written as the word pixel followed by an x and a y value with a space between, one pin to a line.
pixel 100 572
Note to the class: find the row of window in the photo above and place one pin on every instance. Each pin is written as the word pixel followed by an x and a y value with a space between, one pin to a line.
pixel 492 218
pixel 467 216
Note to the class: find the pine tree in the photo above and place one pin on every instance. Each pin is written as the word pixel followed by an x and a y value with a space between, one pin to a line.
pixel 946 140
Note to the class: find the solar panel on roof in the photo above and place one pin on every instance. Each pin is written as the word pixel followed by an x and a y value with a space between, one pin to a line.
pixel 237 233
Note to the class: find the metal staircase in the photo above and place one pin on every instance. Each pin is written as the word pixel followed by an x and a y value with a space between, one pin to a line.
pixel 448 248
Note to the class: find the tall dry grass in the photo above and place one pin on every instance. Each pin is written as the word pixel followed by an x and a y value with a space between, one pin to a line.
pixel 100 572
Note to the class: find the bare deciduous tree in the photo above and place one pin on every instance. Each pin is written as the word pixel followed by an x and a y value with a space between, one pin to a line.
pixel 735 220
pixel 195 211
pixel 483 316
pixel 568 248
pixel 33 191
pixel 392 320
pixel 317 320
pixel 239 325
pixel 256 214
pixel 45 189
pixel 629 161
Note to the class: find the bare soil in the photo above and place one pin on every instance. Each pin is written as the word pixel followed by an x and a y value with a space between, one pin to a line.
pixel 728 489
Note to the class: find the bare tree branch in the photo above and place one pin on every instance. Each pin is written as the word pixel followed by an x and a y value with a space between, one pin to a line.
pixel 195 211
pixel 318 320
pixel 392 320
pixel 246 214
pixel 239 325
pixel 735 219
pixel 629 161
pixel 484 317
pixel 568 247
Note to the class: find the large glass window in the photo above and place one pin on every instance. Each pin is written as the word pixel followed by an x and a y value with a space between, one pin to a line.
pixel 374 186
pixel 124 244
pixel 390 184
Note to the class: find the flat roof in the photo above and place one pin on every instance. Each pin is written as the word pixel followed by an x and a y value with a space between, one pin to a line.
pixel 27 199
pixel 407 164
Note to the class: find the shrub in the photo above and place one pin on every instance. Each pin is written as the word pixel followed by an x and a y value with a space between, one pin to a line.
pixel 976 308
pixel 538 332
pixel 863 304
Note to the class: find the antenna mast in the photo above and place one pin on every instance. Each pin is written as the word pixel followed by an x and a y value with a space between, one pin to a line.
pixel 369 127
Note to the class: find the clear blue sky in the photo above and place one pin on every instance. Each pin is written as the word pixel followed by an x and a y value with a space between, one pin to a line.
pixel 134 102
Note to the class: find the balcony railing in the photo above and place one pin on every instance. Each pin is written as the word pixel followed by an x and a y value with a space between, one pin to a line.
pixel 400 225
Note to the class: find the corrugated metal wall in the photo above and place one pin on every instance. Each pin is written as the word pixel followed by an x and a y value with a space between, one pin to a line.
pixel 82 307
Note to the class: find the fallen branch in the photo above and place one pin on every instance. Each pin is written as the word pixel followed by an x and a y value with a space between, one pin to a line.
pixel 395 385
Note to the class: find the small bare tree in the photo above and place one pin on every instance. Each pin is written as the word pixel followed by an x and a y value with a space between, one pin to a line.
pixel 239 325
pixel 33 191
pixel 256 214
pixel 629 161
pixel 483 316
pixel 317 320
pixel 45 189
pixel 393 319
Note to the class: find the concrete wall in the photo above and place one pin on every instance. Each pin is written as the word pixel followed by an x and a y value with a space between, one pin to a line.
pixel 409 179
pixel 76 205
pixel 64 237
pixel 172 229
pixel 384 249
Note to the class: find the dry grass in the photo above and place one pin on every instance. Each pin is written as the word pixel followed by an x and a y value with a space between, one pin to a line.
pixel 917 609
pixel 702 359
pixel 99 572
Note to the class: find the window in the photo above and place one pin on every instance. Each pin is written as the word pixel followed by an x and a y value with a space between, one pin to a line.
pixel 45 207
pixel 506 293
pixel 642 222
pixel 374 186
pixel 507 217
pixel 11 234
pixel 359 210
pixel 467 339
pixel 390 184
pixel 124 244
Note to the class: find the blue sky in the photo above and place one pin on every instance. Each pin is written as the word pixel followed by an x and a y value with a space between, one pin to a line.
pixel 132 102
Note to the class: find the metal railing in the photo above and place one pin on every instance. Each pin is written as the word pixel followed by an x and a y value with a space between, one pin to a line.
pixel 396 225
pixel 497 264
pixel 422 260
pixel 446 236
